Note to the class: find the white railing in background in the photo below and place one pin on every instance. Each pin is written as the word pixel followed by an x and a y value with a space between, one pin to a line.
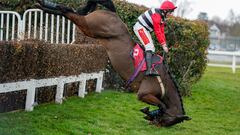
pixel 32 84
pixel 53 28
pixel 225 53
pixel 37 25
pixel 10 25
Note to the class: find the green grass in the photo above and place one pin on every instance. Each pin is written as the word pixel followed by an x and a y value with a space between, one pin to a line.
pixel 214 107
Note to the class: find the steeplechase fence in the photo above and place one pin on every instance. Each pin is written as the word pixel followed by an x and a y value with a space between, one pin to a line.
pixel 35 24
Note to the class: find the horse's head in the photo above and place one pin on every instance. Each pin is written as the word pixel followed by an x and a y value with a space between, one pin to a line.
pixel 174 112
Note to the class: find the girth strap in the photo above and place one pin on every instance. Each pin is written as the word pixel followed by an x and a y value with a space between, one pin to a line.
pixel 161 85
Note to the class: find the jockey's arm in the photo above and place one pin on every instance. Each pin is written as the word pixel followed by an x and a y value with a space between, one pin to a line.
pixel 159 29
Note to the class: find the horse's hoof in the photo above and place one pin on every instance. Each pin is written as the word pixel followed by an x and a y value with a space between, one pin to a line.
pixel 145 110
pixel 149 118
pixel 187 118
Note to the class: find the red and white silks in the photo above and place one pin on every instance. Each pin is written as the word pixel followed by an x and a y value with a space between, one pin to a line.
pixel 144 36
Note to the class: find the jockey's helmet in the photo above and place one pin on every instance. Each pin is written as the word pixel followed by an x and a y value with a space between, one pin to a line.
pixel 168 6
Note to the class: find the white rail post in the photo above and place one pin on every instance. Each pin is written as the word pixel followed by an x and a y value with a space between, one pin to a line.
pixel 21 30
pixel 82 86
pixel 1 27
pixel 234 64
pixel 7 28
pixel 52 28
pixel 41 25
pixel 13 26
pixel 30 96
pixel 59 92
pixel 99 82
pixel 57 31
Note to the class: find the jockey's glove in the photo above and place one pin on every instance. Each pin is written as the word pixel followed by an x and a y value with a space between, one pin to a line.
pixel 165 48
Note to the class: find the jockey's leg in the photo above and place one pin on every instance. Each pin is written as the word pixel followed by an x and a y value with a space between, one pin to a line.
pixel 145 37
pixel 148 57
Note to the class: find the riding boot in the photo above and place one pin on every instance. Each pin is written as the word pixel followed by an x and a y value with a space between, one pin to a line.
pixel 149 71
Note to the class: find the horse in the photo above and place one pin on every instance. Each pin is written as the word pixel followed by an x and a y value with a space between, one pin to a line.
pixel 106 27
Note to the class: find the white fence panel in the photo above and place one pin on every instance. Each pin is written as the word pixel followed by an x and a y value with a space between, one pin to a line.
pixel 53 28
pixel 10 25
pixel 225 53
pixel 36 25
pixel 32 84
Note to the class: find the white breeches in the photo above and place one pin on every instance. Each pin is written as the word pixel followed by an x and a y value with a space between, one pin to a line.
pixel 144 36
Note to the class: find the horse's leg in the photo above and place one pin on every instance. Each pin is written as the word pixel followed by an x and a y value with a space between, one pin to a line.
pixel 47 10
pixel 67 12
pixel 151 99
pixel 148 93
pixel 161 116
pixel 54 6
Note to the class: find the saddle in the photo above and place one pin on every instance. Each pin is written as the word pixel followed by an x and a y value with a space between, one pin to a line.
pixel 140 64
pixel 138 56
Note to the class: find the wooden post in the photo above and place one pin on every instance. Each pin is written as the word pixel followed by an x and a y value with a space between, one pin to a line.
pixel 99 82
pixel 234 64
pixel 59 93
pixel 30 96
pixel 82 86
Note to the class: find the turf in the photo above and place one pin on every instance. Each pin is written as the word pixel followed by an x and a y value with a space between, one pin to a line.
pixel 214 107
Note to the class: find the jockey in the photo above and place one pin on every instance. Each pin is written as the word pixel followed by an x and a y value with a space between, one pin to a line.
pixel 153 20
pixel 92 4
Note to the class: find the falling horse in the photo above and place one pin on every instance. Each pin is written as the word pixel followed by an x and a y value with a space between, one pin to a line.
pixel 113 34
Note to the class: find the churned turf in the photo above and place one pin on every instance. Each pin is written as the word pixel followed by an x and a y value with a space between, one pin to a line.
pixel 214 107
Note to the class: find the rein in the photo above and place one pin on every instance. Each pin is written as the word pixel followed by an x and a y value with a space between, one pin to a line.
pixel 135 73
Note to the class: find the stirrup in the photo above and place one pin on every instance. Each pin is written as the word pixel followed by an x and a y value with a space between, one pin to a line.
pixel 151 73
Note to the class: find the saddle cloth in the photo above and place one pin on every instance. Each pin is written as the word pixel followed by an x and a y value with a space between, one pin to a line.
pixel 138 56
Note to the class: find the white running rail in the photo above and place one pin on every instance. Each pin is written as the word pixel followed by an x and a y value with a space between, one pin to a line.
pixel 225 53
